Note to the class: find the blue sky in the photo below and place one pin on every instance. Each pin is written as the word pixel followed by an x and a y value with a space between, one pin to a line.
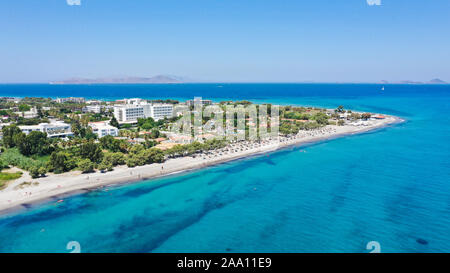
pixel 226 40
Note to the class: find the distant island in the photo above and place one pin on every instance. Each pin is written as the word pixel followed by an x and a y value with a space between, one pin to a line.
pixel 122 80
pixel 167 79
pixel 433 81
pixel 437 81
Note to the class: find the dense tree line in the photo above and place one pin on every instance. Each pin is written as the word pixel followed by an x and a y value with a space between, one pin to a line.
pixel 195 147
pixel 34 143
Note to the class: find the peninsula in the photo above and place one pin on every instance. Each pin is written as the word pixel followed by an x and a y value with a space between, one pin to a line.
pixel 122 80
pixel 51 148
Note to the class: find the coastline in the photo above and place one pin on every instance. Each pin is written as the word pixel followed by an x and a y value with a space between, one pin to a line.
pixel 58 186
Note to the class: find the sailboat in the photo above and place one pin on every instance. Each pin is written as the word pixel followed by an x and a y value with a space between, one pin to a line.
pixel 382 88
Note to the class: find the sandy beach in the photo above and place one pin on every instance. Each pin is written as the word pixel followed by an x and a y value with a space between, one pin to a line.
pixel 18 195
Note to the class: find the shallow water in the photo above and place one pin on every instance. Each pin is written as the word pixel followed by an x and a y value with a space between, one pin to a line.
pixel 390 186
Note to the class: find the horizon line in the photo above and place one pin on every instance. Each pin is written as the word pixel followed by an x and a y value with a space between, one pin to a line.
pixel 232 82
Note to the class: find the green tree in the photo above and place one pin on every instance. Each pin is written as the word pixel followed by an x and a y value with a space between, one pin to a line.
pixel 8 135
pixel 147 123
pixel 34 172
pixel 24 108
pixel 34 143
pixel 149 143
pixel 86 166
pixel 114 122
pixel 355 116
pixel 61 162
pixel 155 155
pixel 115 159
pixel 105 165
pixel 102 166
pixel 20 141
pixel 3 164
pixel 135 149
pixel 106 142
pixel 132 161
pixel 155 133
pixel 112 144
pixel 77 129
pixel 42 171
pixel 89 134
pixel 91 151
pixel 320 118
pixel 366 116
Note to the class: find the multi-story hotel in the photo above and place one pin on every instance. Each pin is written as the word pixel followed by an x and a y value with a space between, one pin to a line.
pixel 160 111
pixel 96 108
pixel 135 109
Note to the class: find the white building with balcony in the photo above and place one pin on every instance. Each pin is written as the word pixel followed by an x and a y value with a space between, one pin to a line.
pixel 103 128
pixel 97 109
pixel 160 111
pixel 129 113
pixel 135 109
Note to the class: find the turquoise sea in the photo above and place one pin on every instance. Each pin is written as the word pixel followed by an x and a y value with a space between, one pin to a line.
pixel 391 186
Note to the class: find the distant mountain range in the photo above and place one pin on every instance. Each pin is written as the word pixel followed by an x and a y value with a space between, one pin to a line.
pixel 122 80
pixel 433 81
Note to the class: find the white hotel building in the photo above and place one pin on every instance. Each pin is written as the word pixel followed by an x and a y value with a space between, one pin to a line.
pixel 71 99
pixel 53 129
pixel 103 128
pixel 137 108
pixel 160 111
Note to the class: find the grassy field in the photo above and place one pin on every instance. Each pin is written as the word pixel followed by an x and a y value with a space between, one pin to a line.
pixel 44 159
pixel 6 177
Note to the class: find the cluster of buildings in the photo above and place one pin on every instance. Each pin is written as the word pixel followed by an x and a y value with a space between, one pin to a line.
pixel 28 114
pixel 126 111
pixel 70 99
pixel 11 99
pixel 56 128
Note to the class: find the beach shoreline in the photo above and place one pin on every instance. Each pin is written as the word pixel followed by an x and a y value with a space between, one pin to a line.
pixel 56 187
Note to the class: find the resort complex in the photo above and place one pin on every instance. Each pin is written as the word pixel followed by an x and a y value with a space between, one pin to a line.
pixel 76 140
pixel 224 136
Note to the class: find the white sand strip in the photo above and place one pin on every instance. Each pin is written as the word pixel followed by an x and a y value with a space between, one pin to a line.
pixel 54 185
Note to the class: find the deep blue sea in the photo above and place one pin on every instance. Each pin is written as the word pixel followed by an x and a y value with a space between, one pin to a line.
pixel 391 186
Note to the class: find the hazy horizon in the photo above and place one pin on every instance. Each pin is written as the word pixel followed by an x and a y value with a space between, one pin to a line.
pixel 212 41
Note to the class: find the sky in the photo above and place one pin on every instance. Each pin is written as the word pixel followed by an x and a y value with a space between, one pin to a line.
pixel 226 40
